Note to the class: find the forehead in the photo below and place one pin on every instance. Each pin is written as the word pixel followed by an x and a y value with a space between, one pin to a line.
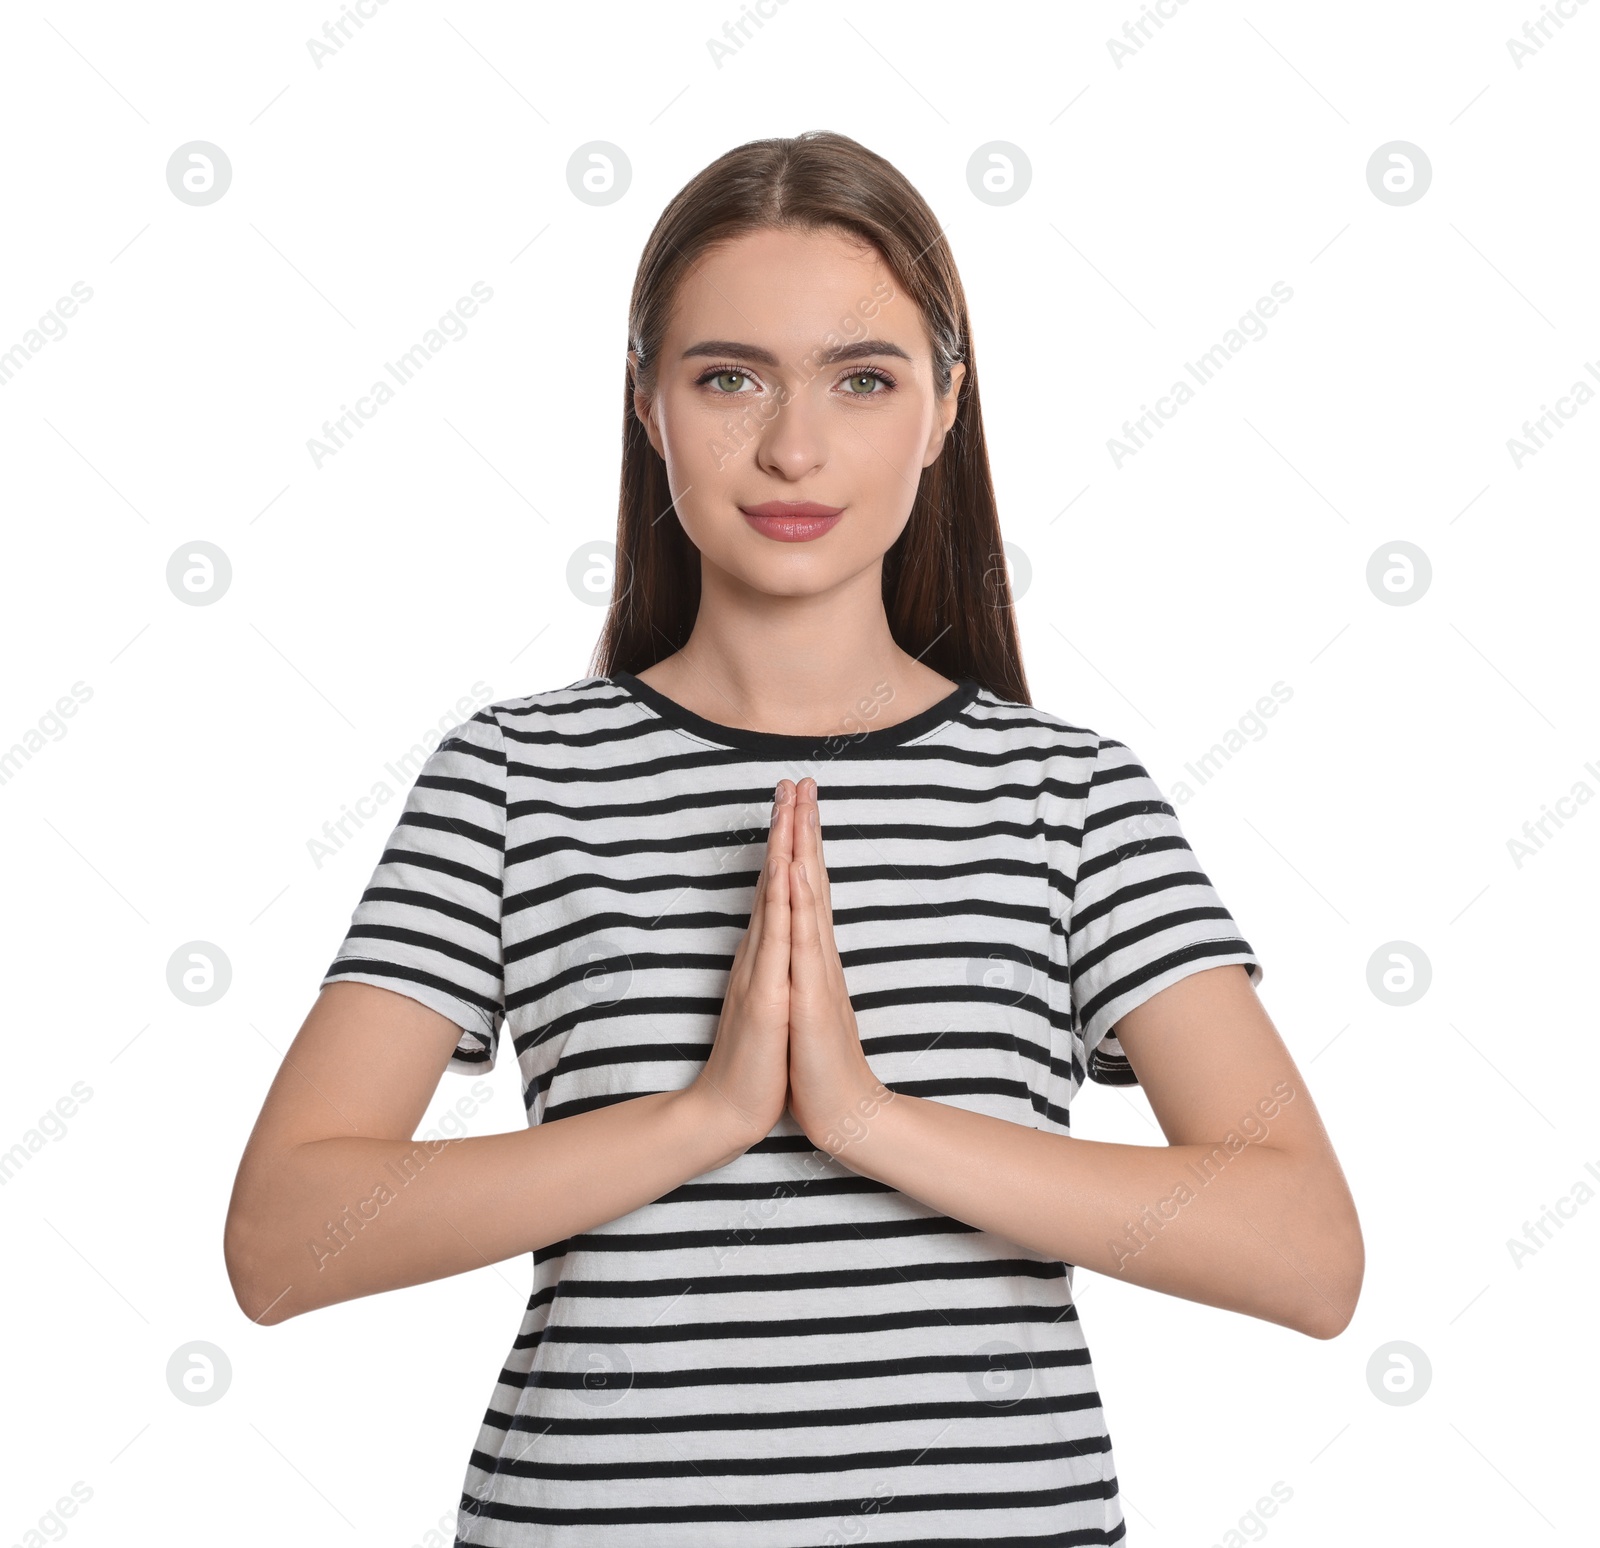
pixel 787 289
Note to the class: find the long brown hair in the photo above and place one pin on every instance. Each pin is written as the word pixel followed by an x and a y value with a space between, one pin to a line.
pixel 946 591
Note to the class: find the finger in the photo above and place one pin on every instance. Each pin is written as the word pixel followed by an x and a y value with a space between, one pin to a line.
pixel 809 850
pixel 769 970
pixel 816 869
pixel 752 932
pixel 782 840
pixel 814 966
pixel 774 818
pixel 804 939
pixel 780 845
pixel 775 847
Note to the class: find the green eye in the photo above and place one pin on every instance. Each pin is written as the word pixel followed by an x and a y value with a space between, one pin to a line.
pixel 727 376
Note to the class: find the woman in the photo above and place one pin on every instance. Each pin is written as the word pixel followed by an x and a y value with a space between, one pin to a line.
pixel 798 1181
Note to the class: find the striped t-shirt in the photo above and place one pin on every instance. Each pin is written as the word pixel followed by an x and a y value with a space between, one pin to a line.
pixel 781 1351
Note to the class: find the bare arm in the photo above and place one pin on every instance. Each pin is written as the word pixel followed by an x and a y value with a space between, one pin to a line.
pixel 1246 1208
pixel 334 1199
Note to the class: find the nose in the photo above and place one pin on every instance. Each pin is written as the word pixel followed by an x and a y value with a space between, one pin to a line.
pixel 792 442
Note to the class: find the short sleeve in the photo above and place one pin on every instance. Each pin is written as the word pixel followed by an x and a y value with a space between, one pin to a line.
pixel 429 923
pixel 1144 914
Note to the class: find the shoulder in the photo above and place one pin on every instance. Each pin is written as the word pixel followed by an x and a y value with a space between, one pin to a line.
pixel 1070 749
pixel 583 727
pixel 494 731
pixel 553 715
pixel 575 698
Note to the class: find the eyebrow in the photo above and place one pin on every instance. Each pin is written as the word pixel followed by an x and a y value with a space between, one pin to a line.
pixel 857 351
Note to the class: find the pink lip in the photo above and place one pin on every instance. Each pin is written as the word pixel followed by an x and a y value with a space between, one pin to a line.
pixel 791 508
pixel 792 521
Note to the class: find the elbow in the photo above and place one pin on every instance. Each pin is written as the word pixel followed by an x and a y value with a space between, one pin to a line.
pixel 1330 1311
pixel 259 1289
pixel 1330 1319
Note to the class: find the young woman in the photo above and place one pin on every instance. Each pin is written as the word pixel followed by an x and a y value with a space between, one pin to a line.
pixel 805 928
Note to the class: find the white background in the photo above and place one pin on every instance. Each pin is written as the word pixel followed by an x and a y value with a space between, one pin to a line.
pixel 1166 597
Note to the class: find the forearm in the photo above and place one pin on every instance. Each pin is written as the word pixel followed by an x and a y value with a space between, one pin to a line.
pixel 333 1219
pixel 1256 1230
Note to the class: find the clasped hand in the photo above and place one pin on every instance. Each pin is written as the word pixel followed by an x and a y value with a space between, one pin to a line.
pixel 787 1035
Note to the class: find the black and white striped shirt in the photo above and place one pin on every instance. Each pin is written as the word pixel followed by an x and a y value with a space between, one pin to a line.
pixel 780 1348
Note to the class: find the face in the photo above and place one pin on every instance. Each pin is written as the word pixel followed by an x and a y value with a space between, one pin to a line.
pixel 795 408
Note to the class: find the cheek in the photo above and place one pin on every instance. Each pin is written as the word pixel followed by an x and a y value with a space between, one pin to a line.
pixel 685 430
pixel 884 449
pixel 708 441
